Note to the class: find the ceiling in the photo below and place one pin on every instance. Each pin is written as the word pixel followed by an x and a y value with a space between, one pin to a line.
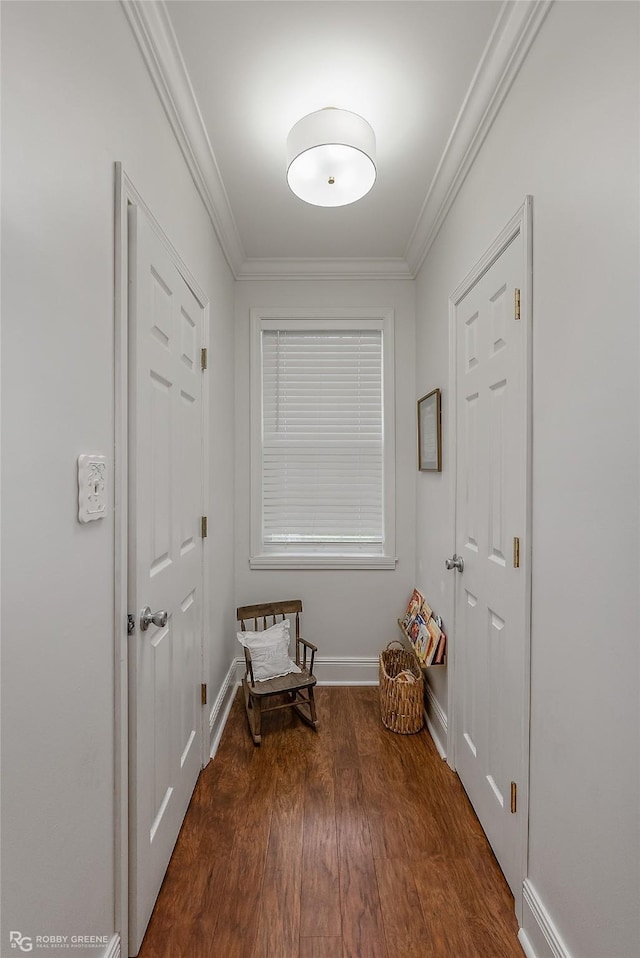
pixel 235 75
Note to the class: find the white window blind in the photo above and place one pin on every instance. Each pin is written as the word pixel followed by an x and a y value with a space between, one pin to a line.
pixel 322 441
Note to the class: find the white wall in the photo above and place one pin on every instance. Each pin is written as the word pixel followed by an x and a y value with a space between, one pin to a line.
pixel 568 134
pixel 77 98
pixel 346 613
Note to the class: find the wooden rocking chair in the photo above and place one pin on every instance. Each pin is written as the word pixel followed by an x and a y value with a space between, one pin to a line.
pixel 297 686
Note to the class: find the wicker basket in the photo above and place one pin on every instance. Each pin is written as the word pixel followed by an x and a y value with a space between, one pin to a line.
pixel 401 701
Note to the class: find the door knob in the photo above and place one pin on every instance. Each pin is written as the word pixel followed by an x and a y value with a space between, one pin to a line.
pixel 147 617
pixel 455 562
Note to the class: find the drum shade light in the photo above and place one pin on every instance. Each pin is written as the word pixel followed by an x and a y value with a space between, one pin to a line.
pixel 331 157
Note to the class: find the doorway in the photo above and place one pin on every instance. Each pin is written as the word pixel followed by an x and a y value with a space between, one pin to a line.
pixel 161 557
pixel 489 684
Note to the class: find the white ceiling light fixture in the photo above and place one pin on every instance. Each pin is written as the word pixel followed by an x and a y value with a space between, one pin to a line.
pixel 331 157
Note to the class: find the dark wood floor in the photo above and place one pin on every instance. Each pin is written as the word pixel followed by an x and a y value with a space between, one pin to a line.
pixel 352 842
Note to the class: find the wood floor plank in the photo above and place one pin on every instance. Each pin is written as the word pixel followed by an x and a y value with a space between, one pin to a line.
pixel 187 899
pixel 320 883
pixel 352 822
pixel 445 918
pixel 278 928
pixel 321 947
pixel 278 933
pixel 371 948
pixel 344 744
pixel 182 941
pixel 242 893
pixel 375 743
pixel 359 899
pixel 388 829
pixel 401 912
pixel 320 893
pixel 435 809
pixel 410 949
pixel 352 842
pixel 486 903
pixel 287 819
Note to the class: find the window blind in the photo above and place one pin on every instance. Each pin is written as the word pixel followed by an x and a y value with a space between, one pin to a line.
pixel 322 450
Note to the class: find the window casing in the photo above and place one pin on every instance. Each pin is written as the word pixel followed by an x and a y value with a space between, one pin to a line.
pixel 323 449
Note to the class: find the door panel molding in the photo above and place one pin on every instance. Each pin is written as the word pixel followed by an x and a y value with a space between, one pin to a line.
pixel 126 195
pixel 519 225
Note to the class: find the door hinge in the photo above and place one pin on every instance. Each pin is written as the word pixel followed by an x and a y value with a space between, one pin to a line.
pixel 516 552
pixel 203 358
pixel 203 693
pixel 514 798
pixel 516 305
pixel 203 527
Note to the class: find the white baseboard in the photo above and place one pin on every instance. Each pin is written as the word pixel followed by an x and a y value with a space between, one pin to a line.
pixel 347 670
pixel 539 936
pixel 527 947
pixel 221 708
pixel 436 719
pixel 113 948
pixel 434 735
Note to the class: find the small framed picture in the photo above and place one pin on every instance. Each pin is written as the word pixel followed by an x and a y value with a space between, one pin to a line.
pixel 429 433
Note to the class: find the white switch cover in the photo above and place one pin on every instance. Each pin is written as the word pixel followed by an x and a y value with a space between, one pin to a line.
pixel 92 487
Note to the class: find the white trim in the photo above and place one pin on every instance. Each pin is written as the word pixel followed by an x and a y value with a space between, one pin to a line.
pixel 381 317
pixel 125 194
pixel 513 34
pixel 347 670
pixel 322 562
pixel 517 224
pixel 152 28
pixel 544 932
pixel 527 454
pixel 434 736
pixel 452 453
pixel 332 269
pixel 113 948
pixel 121 498
pixel 344 670
pixel 527 947
pixel 436 719
pixel 221 708
pixel 510 41
pixel 205 753
pixel 520 223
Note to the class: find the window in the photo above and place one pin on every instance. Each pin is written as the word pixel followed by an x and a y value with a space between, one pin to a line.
pixel 322 439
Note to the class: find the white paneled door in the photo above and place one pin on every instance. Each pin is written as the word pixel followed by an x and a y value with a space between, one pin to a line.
pixel 165 559
pixel 491 538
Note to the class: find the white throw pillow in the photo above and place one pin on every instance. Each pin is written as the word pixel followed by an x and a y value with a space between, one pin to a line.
pixel 269 651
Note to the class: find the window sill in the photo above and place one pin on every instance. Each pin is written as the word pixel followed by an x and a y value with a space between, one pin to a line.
pixel 321 562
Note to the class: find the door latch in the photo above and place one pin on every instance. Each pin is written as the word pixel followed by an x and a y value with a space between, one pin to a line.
pixel 131 624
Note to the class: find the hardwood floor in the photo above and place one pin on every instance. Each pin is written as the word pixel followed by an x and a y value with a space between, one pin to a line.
pixel 351 842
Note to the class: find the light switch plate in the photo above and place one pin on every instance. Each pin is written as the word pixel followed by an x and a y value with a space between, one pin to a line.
pixel 92 487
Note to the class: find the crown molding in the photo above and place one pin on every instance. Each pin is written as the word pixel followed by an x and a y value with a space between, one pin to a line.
pixel 514 31
pixel 158 44
pixel 336 269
